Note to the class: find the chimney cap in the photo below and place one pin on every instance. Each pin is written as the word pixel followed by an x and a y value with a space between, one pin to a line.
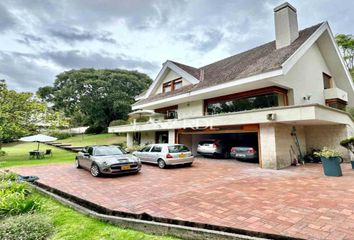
pixel 285 5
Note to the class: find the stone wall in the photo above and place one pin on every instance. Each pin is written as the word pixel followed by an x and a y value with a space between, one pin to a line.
pixel 329 136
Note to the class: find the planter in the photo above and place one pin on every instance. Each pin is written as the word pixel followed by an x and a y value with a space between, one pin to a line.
pixel 331 166
pixel 352 164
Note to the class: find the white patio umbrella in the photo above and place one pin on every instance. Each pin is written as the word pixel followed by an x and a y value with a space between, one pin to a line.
pixel 141 113
pixel 38 138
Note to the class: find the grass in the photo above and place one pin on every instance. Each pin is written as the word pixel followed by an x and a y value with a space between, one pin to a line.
pixel 17 155
pixel 93 139
pixel 71 225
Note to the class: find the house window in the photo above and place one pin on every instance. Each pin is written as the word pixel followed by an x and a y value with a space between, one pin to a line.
pixel 261 98
pixel 327 81
pixel 337 103
pixel 172 85
pixel 169 112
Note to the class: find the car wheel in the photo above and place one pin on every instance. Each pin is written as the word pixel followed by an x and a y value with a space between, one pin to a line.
pixel 226 155
pixel 94 170
pixel 77 163
pixel 161 163
pixel 189 164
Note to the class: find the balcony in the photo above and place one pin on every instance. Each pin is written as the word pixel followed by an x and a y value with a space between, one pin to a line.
pixel 335 93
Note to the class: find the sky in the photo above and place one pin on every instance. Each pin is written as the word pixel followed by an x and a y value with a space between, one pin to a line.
pixel 41 38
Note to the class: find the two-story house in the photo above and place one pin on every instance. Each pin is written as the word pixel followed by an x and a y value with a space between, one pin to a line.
pixel 287 97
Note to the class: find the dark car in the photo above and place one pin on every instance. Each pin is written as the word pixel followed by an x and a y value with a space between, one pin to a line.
pixel 107 159
pixel 244 153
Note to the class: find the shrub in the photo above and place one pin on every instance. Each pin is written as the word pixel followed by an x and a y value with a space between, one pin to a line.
pixel 26 227
pixel 16 198
pixel 348 144
pixel 133 148
pixel 60 135
pixel 95 130
pixel 2 153
pixel 8 176
pixel 118 122
pixel 327 153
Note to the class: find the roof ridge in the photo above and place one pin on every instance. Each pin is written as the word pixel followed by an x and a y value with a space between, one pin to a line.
pixel 259 46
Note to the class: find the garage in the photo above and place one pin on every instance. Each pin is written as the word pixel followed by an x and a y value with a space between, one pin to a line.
pixel 243 137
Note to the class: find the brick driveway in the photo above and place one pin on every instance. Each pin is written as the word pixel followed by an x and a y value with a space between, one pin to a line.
pixel 297 201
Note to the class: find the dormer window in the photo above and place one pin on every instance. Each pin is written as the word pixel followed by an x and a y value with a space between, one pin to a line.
pixel 172 85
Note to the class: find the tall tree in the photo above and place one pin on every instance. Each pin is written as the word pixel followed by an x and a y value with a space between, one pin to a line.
pixel 20 113
pixel 346 45
pixel 96 97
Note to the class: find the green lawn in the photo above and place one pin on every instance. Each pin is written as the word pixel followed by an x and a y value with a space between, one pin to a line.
pixel 93 139
pixel 71 225
pixel 17 155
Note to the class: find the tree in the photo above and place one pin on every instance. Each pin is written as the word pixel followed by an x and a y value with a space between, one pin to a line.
pixel 96 97
pixel 20 113
pixel 346 45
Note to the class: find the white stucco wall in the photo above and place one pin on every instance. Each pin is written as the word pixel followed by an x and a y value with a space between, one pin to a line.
pixel 284 142
pixel 190 109
pixel 276 142
pixel 171 136
pixel 306 78
pixel 147 138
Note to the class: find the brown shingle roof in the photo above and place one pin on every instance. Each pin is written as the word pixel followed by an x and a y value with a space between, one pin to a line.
pixel 258 60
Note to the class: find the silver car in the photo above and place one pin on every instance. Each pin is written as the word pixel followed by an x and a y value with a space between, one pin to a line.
pixel 165 154
pixel 214 148
pixel 107 159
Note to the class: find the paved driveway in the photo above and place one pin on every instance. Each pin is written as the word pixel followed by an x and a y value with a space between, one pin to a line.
pixel 297 201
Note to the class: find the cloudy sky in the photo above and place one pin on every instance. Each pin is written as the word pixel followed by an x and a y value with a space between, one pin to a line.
pixel 41 38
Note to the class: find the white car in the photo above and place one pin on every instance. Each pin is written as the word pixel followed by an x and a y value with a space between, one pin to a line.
pixel 165 154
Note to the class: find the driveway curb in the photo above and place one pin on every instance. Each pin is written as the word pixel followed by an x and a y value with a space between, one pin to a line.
pixel 155 225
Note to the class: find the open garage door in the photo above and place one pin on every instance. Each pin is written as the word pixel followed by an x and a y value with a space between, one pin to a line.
pixel 246 141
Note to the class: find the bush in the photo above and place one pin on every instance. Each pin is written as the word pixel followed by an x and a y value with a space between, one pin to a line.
pixel 327 153
pixel 16 198
pixel 8 176
pixel 133 148
pixel 60 135
pixel 95 130
pixel 118 123
pixel 26 227
pixel 348 144
pixel 2 153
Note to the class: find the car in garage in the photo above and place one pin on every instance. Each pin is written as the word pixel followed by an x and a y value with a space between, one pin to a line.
pixel 165 154
pixel 107 159
pixel 244 153
pixel 214 148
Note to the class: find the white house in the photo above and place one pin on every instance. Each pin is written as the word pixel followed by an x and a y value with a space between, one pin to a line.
pixel 297 83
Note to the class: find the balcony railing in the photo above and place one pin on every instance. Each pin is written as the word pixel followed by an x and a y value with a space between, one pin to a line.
pixel 335 93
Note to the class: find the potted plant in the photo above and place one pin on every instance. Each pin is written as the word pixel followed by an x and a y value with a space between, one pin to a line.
pixel 349 144
pixel 331 161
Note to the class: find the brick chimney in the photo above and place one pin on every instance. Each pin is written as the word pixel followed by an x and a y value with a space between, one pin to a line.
pixel 286 26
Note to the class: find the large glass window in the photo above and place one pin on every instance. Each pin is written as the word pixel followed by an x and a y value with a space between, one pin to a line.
pixel 245 103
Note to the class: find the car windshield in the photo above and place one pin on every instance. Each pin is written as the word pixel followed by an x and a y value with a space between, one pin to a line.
pixel 177 149
pixel 108 150
pixel 206 142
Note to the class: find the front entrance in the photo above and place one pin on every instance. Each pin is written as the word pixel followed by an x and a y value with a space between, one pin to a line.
pixel 161 137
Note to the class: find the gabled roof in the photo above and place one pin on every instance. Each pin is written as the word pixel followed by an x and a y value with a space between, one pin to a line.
pixel 262 59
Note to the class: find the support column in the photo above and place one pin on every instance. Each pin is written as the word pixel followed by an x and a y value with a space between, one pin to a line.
pixel 171 136
pixel 267 146
pixel 130 142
